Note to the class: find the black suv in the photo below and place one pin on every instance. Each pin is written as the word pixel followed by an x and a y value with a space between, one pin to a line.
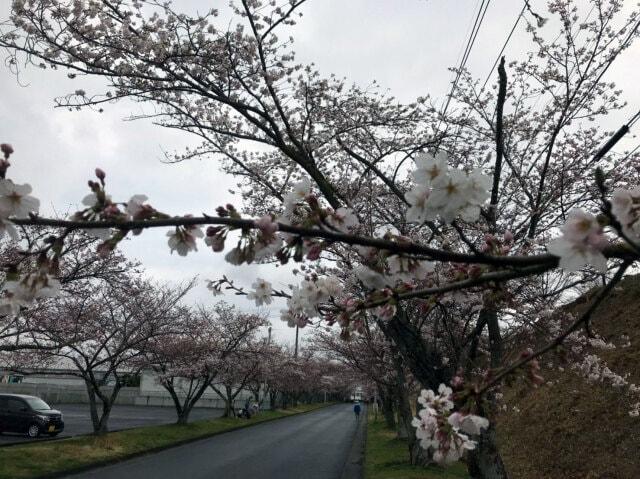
pixel 30 415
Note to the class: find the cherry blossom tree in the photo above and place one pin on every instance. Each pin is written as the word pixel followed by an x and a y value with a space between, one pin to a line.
pixel 103 330
pixel 191 359
pixel 508 200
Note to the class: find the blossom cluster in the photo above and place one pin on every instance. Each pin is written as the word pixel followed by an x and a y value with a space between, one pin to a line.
pixel 446 192
pixel 16 202
pixel 443 432
pixel 307 297
pixel 625 206
pixel 594 369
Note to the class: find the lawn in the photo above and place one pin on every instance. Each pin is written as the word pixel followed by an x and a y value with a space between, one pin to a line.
pixel 54 457
pixel 387 457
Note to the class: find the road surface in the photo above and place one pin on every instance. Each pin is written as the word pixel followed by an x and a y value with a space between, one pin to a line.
pixel 78 421
pixel 308 446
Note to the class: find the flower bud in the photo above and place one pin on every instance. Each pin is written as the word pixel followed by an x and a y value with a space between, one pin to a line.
pixel 213 230
pixel 314 252
pixel 100 174
pixel 222 212
pixel 6 149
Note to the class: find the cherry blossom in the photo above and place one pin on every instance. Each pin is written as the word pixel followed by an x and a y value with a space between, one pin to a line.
pixel 343 219
pixel 267 225
pixel 370 278
pixel 430 168
pixel 15 200
pixel 417 198
pixel 183 239
pixel 625 206
pixel 300 191
pixel 261 293
pixel 135 206
pixel 438 429
pixel 24 291
pixel 581 243
pixel 6 227
pixel 445 192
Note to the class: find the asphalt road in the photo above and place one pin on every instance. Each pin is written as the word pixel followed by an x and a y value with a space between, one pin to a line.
pixel 78 421
pixel 309 446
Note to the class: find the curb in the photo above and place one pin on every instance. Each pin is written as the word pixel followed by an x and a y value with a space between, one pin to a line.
pixel 109 462
pixel 354 464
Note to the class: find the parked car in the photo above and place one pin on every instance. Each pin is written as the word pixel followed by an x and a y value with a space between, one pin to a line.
pixel 28 415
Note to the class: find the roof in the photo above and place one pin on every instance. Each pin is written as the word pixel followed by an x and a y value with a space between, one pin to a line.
pixel 22 396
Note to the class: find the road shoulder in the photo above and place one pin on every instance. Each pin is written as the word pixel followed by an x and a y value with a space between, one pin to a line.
pixel 354 465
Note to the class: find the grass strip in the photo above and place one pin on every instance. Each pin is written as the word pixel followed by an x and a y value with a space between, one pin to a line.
pixel 51 459
pixel 387 457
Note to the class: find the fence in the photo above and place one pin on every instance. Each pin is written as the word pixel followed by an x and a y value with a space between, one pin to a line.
pixel 129 396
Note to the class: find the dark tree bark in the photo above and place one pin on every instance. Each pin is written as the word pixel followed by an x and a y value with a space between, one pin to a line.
pixel 386 400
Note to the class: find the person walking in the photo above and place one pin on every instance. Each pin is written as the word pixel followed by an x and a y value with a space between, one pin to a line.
pixel 356 409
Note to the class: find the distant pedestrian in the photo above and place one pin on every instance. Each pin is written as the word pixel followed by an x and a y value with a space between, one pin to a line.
pixel 356 410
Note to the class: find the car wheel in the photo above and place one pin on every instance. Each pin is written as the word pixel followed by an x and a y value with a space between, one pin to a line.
pixel 33 431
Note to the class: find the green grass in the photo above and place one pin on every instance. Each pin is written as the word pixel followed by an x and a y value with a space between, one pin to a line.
pixel 387 457
pixel 54 457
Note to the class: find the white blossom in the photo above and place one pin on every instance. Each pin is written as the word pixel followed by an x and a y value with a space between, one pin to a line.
pixel 15 200
pixel 407 269
pixel 300 191
pixel 448 193
pixel 448 196
pixel 370 278
pixel 430 168
pixel 343 219
pixel 468 423
pixel 261 293
pixel 625 206
pixel 7 227
pixel 581 244
pixel 417 198
pixel 448 443
pixel 135 205
pixel 330 285
pixel 234 256
pixel 23 292
pixel 183 239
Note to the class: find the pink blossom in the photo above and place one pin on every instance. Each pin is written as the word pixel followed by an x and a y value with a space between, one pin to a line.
pixel 267 225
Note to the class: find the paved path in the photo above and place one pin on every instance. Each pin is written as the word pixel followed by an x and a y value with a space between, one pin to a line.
pixel 309 446
pixel 78 421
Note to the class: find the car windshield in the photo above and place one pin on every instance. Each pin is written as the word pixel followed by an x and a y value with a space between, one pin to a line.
pixel 37 404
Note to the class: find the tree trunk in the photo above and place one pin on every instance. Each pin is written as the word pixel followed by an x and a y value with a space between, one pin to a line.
pixel 386 400
pixel 417 455
pixel 183 416
pixel 484 462
pixel 93 406
pixel 104 419
pixel 426 366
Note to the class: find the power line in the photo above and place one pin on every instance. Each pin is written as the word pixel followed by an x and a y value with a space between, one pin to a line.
pixel 472 38
pixel 633 119
pixel 504 46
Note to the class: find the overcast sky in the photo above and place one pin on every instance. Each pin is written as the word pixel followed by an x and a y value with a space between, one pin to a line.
pixel 406 45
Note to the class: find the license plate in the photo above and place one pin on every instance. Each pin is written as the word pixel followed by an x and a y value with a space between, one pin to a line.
pixel 52 428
